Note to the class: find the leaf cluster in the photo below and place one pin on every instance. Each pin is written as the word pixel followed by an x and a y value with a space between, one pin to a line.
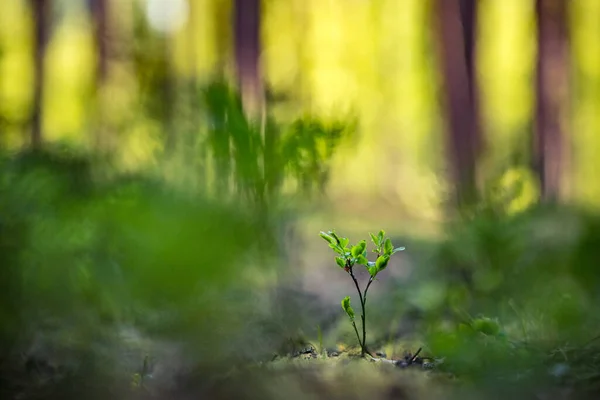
pixel 350 255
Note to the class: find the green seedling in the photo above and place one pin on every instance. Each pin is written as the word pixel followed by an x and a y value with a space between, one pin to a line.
pixel 137 379
pixel 349 256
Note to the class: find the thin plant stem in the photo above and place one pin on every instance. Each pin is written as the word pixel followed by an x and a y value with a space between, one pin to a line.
pixel 357 335
pixel 364 314
pixel 363 349
pixel 366 289
pixel 356 284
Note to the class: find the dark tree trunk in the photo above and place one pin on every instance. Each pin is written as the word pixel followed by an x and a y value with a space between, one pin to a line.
pixel 41 13
pixel 551 94
pixel 468 16
pixel 168 83
pixel 100 17
pixel 457 22
pixel 99 12
pixel 247 52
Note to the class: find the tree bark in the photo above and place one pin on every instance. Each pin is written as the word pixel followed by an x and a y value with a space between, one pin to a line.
pixel 100 17
pixel 247 53
pixel 99 12
pixel 168 82
pixel 457 22
pixel 41 13
pixel 551 95
pixel 468 15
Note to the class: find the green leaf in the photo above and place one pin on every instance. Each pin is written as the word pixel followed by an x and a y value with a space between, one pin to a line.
pixel 340 261
pixel 335 236
pixel 374 239
pixel 344 242
pixel 346 306
pixel 381 235
pixel 382 262
pixel 362 260
pixel 397 249
pixel 388 247
pixel 373 271
pixel 327 237
pixel 336 248
pixel 486 326
pixel 359 248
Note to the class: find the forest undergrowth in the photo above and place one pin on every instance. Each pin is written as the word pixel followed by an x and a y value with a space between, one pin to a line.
pixel 125 287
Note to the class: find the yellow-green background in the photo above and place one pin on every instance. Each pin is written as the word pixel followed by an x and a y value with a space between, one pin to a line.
pixel 375 58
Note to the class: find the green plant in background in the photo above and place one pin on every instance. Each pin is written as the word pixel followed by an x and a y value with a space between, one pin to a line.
pixel 348 257
pixel 137 379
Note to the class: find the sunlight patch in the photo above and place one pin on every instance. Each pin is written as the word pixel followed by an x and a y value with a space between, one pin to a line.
pixel 167 16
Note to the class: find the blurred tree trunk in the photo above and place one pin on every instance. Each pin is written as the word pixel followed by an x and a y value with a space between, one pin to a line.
pixel 41 22
pixel 168 99
pixel 246 22
pixel 468 15
pixel 99 10
pixel 551 95
pixel 457 20
pixel 168 82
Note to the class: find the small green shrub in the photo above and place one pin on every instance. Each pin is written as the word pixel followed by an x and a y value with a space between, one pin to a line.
pixel 348 257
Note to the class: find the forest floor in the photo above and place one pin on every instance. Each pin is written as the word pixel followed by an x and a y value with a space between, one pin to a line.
pixel 344 374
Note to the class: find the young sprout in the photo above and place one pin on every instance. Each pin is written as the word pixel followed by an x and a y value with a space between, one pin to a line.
pixel 348 256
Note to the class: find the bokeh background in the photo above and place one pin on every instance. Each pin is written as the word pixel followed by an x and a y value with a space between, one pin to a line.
pixel 167 166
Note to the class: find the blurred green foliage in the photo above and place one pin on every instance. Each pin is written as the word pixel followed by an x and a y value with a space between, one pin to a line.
pixel 261 156
pixel 90 251
pixel 75 247
pixel 509 293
